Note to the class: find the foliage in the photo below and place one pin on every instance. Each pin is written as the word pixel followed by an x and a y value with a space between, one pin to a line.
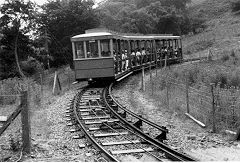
pixel 225 57
pixel 235 6
pixel 54 25
pixel 63 20
pixel 18 19
pixel 14 141
pixel 31 66
pixel 7 57
pixel 148 16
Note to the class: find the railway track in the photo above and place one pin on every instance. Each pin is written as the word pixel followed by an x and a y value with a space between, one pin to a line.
pixel 116 132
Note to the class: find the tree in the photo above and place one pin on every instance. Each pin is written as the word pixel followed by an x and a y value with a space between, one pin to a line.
pixel 62 21
pixel 146 16
pixel 18 16
pixel 7 52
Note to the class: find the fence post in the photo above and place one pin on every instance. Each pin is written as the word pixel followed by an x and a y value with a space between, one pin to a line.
pixel 156 67
pixel 25 123
pixel 143 82
pixel 56 84
pixel 41 78
pixel 187 95
pixel 167 84
pixel 165 64
pixel 213 110
pixel 237 138
pixel 69 81
pixel 151 80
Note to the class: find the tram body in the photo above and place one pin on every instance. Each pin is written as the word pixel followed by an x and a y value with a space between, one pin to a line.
pixel 102 54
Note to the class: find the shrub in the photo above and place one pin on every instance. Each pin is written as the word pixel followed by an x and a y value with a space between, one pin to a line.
pixel 15 142
pixel 225 58
pixel 234 79
pixel 31 66
pixel 233 54
pixel 192 74
pixel 220 78
pixel 235 6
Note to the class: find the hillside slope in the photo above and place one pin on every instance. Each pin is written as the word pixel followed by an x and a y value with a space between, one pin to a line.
pixel 222 31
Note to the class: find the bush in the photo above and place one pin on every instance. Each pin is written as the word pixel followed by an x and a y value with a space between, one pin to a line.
pixel 233 54
pixel 235 6
pixel 31 66
pixel 234 79
pixel 225 58
pixel 220 78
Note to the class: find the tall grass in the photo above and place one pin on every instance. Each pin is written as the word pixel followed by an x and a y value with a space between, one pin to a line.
pixel 226 78
pixel 39 97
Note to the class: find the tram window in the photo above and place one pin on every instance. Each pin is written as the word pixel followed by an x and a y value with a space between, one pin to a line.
pixel 79 50
pixel 92 49
pixel 105 48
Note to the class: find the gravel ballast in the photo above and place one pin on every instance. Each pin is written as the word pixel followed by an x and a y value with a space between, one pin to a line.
pixel 57 143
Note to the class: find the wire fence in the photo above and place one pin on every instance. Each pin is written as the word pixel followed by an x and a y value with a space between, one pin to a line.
pixel 40 93
pixel 40 86
pixel 216 106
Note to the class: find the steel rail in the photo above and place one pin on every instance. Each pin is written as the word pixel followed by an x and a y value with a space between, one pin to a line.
pixel 135 144
pixel 134 114
pixel 104 153
pixel 170 153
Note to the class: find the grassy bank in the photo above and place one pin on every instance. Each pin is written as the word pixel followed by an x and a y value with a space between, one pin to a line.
pixel 39 97
pixel 171 87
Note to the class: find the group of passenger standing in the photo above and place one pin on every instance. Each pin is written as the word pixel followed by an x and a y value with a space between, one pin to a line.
pixel 141 56
pixel 136 58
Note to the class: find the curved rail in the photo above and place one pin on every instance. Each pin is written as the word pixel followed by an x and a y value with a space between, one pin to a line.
pixel 134 114
pixel 104 153
pixel 170 153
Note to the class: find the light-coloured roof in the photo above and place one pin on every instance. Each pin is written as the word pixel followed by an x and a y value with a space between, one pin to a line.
pixel 95 34
pixel 139 37
pixel 102 33
pixel 151 37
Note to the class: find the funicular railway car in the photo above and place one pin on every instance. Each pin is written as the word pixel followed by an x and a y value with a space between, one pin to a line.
pixel 102 54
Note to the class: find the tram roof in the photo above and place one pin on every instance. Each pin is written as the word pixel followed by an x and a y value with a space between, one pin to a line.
pixel 150 37
pixel 93 34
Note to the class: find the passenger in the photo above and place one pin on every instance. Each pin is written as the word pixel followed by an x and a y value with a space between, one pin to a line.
pixel 143 55
pixel 89 55
pixel 80 54
pixel 133 56
pixel 103 53
pixel 148 54
pixel 138 54
pixel 123 60
pixel 176 52
pixel 127 60
pixel 165 51
pixel 170 50
pixel 158 53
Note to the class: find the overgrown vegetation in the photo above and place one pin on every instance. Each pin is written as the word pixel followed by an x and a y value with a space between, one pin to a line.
pixel 225 71
pixel 235 6
pixel 144 16
pixel 223 75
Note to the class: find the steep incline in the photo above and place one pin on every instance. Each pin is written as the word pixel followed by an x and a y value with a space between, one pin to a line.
pixel 222 32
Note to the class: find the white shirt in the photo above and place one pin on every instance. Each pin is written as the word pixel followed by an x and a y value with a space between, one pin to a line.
pixel 138 53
